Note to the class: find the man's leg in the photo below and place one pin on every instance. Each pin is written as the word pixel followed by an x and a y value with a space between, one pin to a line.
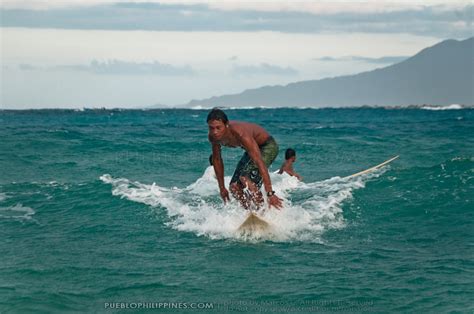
pixel 252 178
pixel 237 186
pixel 254 195
pixel 238 192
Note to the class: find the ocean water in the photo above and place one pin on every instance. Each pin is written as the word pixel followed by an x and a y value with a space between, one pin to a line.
pixel 117 210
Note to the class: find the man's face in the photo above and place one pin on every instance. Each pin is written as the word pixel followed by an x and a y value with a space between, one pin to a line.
pixel 216 129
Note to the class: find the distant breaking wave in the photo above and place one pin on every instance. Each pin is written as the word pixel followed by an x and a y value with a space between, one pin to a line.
pixel 449 107
pixel 392 107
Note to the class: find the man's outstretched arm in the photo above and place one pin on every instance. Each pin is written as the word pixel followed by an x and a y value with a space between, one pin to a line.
pixel 254 152
pixel 218 165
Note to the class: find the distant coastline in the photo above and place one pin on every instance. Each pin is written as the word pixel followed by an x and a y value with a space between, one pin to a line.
pixel 99 109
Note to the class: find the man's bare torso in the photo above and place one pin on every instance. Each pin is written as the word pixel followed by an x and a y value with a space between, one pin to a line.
pixel 240 130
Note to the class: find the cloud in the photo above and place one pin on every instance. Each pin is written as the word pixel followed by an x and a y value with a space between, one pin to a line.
pixel 321 6
pixel 262 69
pixel 118 67
pixel 438 20
pixel 381 60
pixel 435 19
pixel 27 67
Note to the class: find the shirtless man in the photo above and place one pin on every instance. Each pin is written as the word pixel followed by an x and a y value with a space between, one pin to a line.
pixel 290 158
pixel 260 151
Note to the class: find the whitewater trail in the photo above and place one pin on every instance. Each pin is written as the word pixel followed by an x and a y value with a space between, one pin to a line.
pixel 309 208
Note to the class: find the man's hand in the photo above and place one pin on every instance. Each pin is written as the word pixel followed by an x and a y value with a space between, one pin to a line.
pixel 275 201
pixel 225 195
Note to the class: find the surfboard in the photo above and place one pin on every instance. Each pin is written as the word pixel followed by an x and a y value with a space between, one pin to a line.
pixel 253 225
pixel 372 168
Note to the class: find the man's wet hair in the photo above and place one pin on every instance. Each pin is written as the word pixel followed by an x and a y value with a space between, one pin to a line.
pixel 217 114
pixel 210 160
pixel 290 152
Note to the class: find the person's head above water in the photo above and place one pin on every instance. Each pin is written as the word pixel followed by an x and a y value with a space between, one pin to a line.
pixel 217 114
pixel 290 153
pixel 217 122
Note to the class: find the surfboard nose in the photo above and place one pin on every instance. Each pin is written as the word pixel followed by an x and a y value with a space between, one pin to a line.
pixel 253 225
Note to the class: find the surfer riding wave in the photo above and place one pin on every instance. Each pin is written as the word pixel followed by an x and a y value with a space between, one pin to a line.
pixel 261 150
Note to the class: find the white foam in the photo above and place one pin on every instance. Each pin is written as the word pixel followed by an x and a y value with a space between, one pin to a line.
pixel 199 108
pixel 309 208
pixel 17 212
pixel 3 196
pixel 449 107
pixel 205 185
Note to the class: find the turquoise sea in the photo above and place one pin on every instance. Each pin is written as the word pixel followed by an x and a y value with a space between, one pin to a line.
pixel 115 210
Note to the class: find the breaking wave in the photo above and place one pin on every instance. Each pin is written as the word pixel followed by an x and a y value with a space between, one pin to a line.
pixel 309 208
pixel 449 107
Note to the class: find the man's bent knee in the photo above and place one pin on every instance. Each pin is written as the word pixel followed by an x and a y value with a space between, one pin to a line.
pixel 246 182
pixel 235 187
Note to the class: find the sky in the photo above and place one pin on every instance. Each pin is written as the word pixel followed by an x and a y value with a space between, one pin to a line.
pixel 137 54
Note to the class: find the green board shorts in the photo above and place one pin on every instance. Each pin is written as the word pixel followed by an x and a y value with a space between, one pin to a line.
pixel 247 168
